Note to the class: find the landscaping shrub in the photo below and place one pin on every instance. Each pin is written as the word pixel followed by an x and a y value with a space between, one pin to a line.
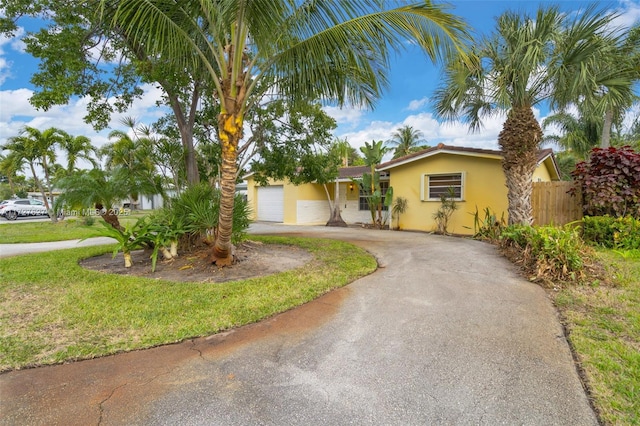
pixel 612 232
pixel 490 228
pixel 551 252
pixel 198 207
pixel 448 206
pixel 610 182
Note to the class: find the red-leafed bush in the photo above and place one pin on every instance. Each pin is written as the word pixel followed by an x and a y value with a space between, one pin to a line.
pixel 610 182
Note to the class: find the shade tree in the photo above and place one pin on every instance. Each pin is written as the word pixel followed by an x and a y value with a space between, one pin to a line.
pixel 80 54
pixel 330 51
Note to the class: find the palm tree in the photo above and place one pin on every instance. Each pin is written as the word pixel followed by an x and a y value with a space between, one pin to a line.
pixel 579 134
pixel 77 148
pixel 37 148
pixel 136 157
pixel 330 50
pixel 622 64
pixel 10 165
pixel 529 60
pixel 370 183
pixel 97 188
pixel 406 140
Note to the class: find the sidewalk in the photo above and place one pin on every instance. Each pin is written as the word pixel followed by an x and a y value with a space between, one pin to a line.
pixel 7 250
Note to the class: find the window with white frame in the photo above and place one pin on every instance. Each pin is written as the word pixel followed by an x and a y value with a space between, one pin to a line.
pixel 436 185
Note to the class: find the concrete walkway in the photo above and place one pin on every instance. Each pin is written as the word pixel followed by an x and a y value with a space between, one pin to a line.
pixel 16 249
pixel 445 333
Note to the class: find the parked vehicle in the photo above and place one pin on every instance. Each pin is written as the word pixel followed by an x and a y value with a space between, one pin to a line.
pixel 11 209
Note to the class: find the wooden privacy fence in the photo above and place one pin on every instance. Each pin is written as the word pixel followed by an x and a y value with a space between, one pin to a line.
pixel 552 205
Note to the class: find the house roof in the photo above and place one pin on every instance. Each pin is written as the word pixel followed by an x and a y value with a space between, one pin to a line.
pixel 544 155
pixel 439 149
pixel 352 172
pixel 347 173
pixel 355 172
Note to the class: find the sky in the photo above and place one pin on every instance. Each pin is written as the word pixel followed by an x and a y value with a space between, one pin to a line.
pixel 413 79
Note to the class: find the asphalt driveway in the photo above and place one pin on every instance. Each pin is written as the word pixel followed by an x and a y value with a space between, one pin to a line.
pixel 445 332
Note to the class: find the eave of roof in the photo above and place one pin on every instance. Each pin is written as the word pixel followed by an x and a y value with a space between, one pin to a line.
pixel 440 149
pixel 543 155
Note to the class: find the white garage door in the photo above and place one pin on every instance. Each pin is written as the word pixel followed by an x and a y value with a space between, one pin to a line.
pixel 271 203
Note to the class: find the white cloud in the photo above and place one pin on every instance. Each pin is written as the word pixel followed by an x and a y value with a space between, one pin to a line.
pixel 17 112
pixel 14 43
pixel 450 133
pixel 629 13
pixel 416 104
pixel 349 116
pixel 630 117
pixel 144 110
pixel 96 53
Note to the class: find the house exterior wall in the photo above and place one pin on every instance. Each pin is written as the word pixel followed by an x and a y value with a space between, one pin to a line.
pixel 299 202
pixel 307 204
pixel 541 174
pixel 252 196
pixel 483 186
pixel 350 208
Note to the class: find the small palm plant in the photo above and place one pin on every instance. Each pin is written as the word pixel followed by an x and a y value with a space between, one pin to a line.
pixel 162 231
pixel 127 239
pixel 156 235
pixel 448 206
pixel 400 205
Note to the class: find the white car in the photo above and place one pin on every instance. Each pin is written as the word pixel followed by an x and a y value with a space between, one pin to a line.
pixel 11 209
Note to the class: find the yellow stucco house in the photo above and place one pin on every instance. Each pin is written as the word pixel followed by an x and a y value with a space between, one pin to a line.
pixel 475 174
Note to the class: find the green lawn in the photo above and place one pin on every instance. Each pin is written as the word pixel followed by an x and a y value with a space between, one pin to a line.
pixel 52 310
pixel 603 321
pixel 68 229
pixel 36 232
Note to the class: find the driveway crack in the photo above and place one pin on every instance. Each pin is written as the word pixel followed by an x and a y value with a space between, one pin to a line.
pixel 104 401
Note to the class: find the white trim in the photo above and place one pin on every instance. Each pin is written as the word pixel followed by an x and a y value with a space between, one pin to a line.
pixel 496 156
pixel 554 163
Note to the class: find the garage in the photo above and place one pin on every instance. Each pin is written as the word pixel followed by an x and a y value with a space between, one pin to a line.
pixel 271 203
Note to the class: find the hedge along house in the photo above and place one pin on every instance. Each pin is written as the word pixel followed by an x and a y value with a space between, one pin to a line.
pixel 475 174
pixel 307 204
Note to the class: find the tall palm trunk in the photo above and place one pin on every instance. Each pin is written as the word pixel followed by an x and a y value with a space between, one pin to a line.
pixel 520 139
pixel 52 214
pixel 108 215
pixel 38 183
pixel 335 218
pixel 12 186
pixel 605 142
pixel 230 131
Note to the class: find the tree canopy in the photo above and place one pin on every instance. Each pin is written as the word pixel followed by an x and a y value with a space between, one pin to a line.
pixel 528 60
pixel 330 51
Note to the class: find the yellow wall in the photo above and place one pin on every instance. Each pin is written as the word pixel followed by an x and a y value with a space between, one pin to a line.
pixel 292 194
pixel 483 181
pixel 252 197
pixel 541 174
pixel 483 186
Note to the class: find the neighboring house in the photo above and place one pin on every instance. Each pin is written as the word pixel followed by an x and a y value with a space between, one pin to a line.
pixel 475 174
